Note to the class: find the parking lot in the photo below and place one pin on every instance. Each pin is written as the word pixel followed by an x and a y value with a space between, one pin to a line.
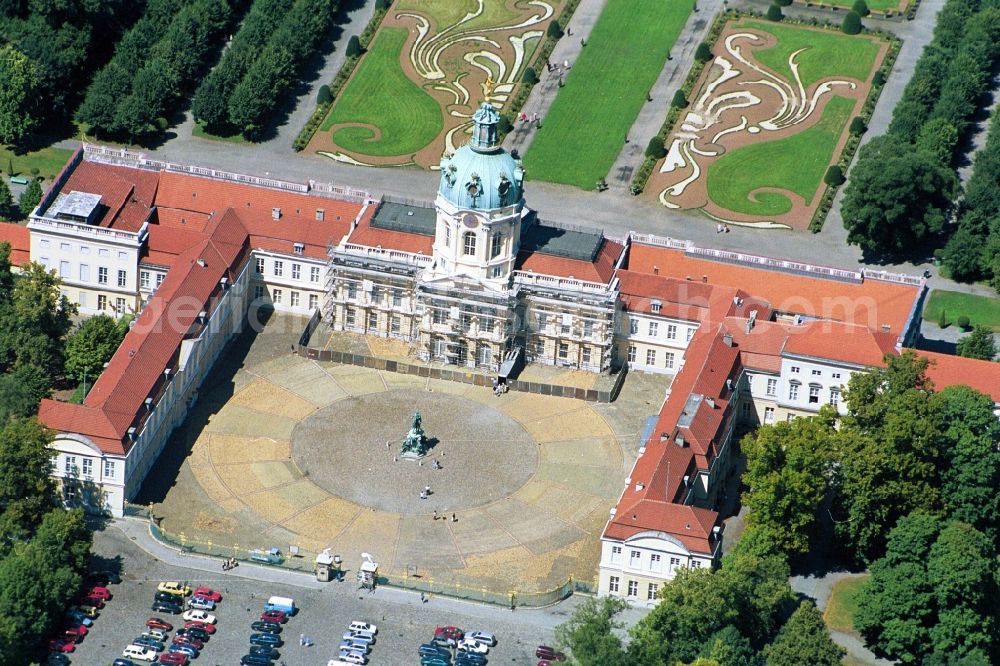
pixel 403 621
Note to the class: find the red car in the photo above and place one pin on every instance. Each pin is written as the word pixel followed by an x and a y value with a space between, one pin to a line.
pixel 204 626
pixel 174 659
pixel 91 600
pixel 61 645
pixel 99 592
pixel 207 593
pixel 75 634
pixel 454 633
pixel 157 623
pixel 188 640
pixel 546 653
pixel 274 616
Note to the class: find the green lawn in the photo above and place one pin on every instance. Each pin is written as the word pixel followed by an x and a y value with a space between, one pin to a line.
pixel 827 53
pixel 796 163
pixel 981 310
pixel 585 128
pixel 48 161
pixel 199 131
pixel 380 94
pixel 843 604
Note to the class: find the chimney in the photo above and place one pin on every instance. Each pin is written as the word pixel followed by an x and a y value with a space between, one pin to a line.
pixel 656 270
pixel 679 439
pixel 275 213
pixel 201 262
pixel 639 486
pixel 727 339
pixel 886 328
pixel 710 402
pixel 704 278
pixel 320 214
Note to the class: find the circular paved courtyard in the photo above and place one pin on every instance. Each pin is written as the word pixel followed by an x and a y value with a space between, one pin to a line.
pixel 279 454
pixel 485 455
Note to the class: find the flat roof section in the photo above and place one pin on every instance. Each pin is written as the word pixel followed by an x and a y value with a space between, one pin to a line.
pixel 558 242
pixel 405 218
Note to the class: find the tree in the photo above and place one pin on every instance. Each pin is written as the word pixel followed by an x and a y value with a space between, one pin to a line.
pixel 26 487
pixel 6 199
pixel 860 7
pixel 554 31
pixel 655 148
pixel 529 77
pixel 30 197
pixel 774 13
pixel 852 24
pixel 21 390
pixel 834 176
pixel 728 647
pixel 978 344
pixel 353 49
pixel 938 138
pixel 588 633
pixel 17 95
pixel 92 345
pixel 324 96
pixel 896 199
pixel 858 126
pixel 964 323
pixel 679 100
pixel 804 640
pixel 964 255
pixel 787 468
pixel 972 472
pixel 703 53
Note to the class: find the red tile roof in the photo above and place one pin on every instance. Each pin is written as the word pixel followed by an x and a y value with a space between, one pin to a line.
pixel 840 342
pixel 871 303
pixel 165 243
pixel 136 371
pixel 389 239
pixel 946 370
pixel 126 192
pixel 19 239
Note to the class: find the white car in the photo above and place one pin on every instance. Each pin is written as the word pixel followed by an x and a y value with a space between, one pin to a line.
pixel 198 616
pixel 483 637
pixel 352 657
pixel 201 603
pixel 139 652
pixel 363 636
pixel 358 625
pixel 472 646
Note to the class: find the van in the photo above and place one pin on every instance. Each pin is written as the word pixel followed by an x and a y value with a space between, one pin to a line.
pixel 140 652
pixel 365 636
pixel 284 604
pixel 355 646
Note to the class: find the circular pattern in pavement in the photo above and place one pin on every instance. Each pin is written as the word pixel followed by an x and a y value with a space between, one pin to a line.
pixel 485 455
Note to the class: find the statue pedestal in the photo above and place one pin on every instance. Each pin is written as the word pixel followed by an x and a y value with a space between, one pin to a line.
pixel 411 455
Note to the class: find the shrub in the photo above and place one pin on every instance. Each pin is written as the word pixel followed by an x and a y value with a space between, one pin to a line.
pixel 679 100
pixel 783 3
pixel 529 77
pixel 382 5
pixel 774 13
pixel 860 7
pixel 505 125
pixel 858 126
pixel 353 49
pixel 655 149
pixel 161 123
pixel 943 319
pixel 324 96
pixel 34 171
pixel 703 53
pixel 834 176
pixel 851 24
pixel 554 31
pixel 963 323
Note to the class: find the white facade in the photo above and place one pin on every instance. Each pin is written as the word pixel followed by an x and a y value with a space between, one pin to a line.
pixel 636 568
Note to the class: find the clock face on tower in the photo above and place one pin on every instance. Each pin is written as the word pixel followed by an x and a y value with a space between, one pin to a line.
pixel 470 220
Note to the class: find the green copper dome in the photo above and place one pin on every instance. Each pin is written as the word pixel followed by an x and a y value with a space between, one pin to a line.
pixel 481 174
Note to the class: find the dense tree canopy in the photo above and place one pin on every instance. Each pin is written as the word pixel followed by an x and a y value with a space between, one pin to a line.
pixel 18 95
pixel 588 633
pixel 804 640
pixel 93 344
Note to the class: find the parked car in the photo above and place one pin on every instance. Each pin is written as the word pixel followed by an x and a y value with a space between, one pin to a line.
pixel 207 593
pixel 157 623
pixel 435 661
pixel 57 659
pixel 201 603
pixel 445 642
pixel 254 660
pixel 74 632
pixel 103 578
pixel 86 610
pixel 199 615
pixel 265 639
pixel 198 633
pixel 62 645
pixel 149 642
pixel 484 637
pixel 267 627
pixel 204 626
pixel 356 646
pixel 139 652
pixel 358 625
pixel 122 661
pixel 100 592
pixel 364 637
pixel 431 650
pixel 469 659
pixel 265 650
pixel 166 597
pixel 91 600
pixel 167 607
pixel 280 617
pixel 185 649
pixel 180 589
pixel 175 659
pixel 473 646
pixel 450 632
pixel 353 657
pixel 546 652
pixel 189 640
pixel 74 616
pixel 157 634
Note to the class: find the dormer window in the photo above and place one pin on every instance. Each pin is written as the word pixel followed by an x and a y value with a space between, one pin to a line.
pixel 655 306
pixel 299 248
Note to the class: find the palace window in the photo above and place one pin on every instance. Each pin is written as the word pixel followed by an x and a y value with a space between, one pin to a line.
pixel 814 394
pixel 102 302
pixel 654 328
pixel 279 268
pixel 296 271
pixel 671 332
pixel 651 591
pixel 634 558
pixel 69 465
pixel 439 315
pixel 294 298
pixel 793 391
pixel 588 328
pixel 616 554
pixel 109 469
pixel 394 324
pixel 258 291
pixel 276 296
pixel 772 387
pixel 144 279
pixel 633 588
pixel 84 273
pixel 259 269
pixel 102 275
pixel 768 415
pixel 674 563
pixel 586 355
pixel 349 318
pixel 469 243
pixel 631 353
pixel 563 351
pixel 668 361
pixel 496 245
pixel 352 290
pixel 834 396
pixel 88 467
pixel 313 301
pixel 650 357
pixel 122 278
pixel 314 274
pixel 372 321
pixel 613 582
pixel 633 326
pixel 655 563
pixel 397 297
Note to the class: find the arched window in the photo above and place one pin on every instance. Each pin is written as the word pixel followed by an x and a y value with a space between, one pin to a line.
pixel 496 245
pixel 469 243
